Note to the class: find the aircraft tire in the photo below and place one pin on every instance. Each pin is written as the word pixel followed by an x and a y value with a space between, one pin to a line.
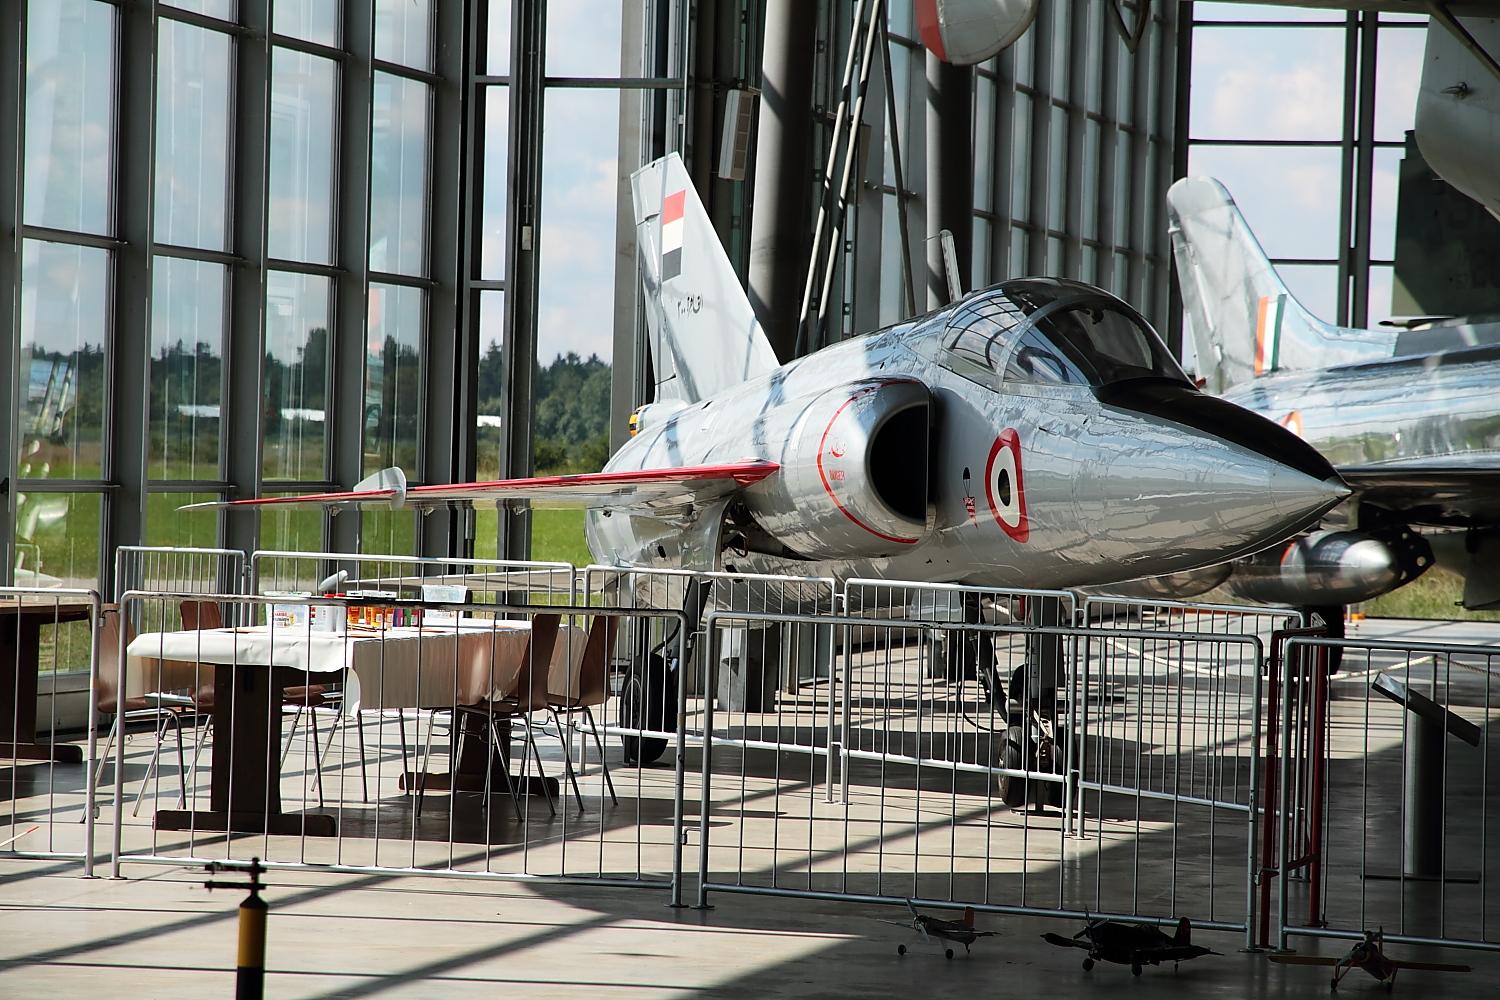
pixel 1135 968
pixel 637 711
pixel 901 949
pixel 948 953
pixel 1088 965
pixel 1013 790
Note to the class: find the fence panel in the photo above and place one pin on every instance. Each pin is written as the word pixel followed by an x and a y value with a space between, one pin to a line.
pixel 972 799
pixel 1397 823
pixel 353 734
pixel 49 648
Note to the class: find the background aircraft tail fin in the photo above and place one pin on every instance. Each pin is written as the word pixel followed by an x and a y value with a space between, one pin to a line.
pixel 1184 933
pixel 704 335
pixel 1243 319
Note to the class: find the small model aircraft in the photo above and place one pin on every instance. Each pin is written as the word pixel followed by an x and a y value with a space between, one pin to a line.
pixel 1369 955
pixel 1135 945
pixel 936 929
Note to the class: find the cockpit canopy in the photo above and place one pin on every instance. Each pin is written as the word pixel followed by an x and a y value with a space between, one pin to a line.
pixel 1046 331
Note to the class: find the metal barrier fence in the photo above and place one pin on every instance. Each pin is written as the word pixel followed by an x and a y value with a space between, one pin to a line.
pixel 484 581
pixel 483 781
pixel 956 802
pixel 182 570
pixel 776 675
pixel 1399 757
pixel 46 635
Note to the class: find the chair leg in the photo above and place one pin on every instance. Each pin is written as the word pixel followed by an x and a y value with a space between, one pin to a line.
pixel 401 729
pixel 536 752
pixel 562 737
pixel 312 721
pixel 109 744
pixel 181 768
pixel 603 761
pixel 161 733
pixel 286 751
pixel 510 783
pixel 364 777
pixel 421 781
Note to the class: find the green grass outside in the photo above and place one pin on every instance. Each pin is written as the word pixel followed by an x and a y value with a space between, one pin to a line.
pixel 556 536
pixel 1435 594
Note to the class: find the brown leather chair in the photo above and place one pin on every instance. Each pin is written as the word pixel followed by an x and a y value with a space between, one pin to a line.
pixel 522 690
pixel 578 683
pixel 198 615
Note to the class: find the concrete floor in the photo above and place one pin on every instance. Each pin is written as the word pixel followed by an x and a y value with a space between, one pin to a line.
pixel 159 934
pixel 939 833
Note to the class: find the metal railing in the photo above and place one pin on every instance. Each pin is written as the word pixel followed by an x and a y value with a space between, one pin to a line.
pixel 1402 810
pixel 44 631
pixel 921 766
pixel 487 581
pixel 363 795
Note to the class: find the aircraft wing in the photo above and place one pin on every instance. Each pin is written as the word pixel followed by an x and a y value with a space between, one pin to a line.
pixel 642 488
pixel 1430 495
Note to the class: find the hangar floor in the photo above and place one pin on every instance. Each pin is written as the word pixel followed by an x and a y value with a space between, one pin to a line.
pixel 159 934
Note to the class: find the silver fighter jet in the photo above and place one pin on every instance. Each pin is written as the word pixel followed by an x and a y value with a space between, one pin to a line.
pixel 1410 418
pixel 1035 433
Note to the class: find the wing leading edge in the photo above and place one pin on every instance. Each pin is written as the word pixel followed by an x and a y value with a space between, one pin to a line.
pixel 645 488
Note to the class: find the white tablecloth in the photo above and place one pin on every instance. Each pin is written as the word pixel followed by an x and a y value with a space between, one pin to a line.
pixel 436 666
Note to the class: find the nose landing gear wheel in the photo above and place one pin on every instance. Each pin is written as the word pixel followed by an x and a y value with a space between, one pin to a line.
pixel 1088 964
pixel 643 706
pixel 901 949
pixel 947 952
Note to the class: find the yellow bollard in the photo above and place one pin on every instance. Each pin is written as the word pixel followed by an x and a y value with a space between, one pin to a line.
pixel 250 965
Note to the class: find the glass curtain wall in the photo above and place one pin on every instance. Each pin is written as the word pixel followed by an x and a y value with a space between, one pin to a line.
pixel 1073 142
pixel 1303 115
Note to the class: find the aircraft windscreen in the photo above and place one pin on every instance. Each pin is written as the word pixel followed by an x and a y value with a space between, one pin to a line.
pixel 1089 343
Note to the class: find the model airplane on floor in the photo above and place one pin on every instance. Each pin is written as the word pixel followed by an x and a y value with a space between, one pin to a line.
pixel 1409 418
pixel 936 930
pixel 1370 956
pixel 1135 945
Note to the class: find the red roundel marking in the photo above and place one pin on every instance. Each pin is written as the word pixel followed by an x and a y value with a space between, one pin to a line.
pixel 1005 488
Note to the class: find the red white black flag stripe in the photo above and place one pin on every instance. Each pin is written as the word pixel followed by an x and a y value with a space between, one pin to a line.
pixel 671 234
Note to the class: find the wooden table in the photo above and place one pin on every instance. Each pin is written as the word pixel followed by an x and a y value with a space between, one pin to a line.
pixel 20 661
pixel 433 667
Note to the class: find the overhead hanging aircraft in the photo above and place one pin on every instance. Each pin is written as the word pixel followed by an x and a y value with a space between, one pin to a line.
pixel 1036 433
pixel 1410 418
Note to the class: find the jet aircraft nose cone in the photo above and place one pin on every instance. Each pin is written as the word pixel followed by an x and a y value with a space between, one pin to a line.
pixel 1295 493
pixel 1178 498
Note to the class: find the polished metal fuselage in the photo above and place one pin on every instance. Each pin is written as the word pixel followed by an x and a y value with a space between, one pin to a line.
pixel 1438 411
pixel 1106 494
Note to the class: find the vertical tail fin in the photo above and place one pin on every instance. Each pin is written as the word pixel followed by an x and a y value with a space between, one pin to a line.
pixel 1184 932
pixel 1243 319
pixel 703 332
pixel 968 916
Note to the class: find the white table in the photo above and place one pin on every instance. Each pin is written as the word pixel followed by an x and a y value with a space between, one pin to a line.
pixel 444 665
pixel 463 662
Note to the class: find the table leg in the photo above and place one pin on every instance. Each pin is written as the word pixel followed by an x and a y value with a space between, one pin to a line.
pixel 20 659
pixel 245 794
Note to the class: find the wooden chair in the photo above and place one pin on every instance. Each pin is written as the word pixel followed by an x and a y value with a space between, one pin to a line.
pixel 522 687
pixel 574 686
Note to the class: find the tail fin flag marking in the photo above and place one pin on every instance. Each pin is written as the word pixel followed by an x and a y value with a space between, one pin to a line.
pixel 703 333
pixel 671 235
pixel 1243 319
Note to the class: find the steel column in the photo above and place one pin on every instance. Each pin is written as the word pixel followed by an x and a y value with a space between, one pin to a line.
pixel 446 423
pixel 12 87
pixel 244 350
pixel 131 292
pixel 784 171
pixel 524 190
pixel 1359 262
pixel 346 422
pixel 950 171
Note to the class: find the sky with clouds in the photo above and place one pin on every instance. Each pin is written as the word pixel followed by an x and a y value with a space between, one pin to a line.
pixel 1257 82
